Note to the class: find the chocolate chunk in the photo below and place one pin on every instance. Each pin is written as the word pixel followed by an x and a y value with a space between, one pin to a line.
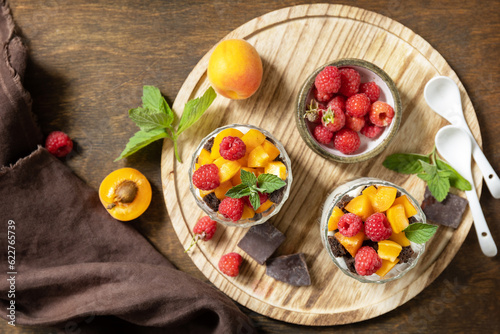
pixel 212 201
pixel 398 194
pixel 448 212
pixel 279 158
pixel 261 241
pixel 349 261
pixel 277 195
pixel 270 140
pixel 208 145
pixel 291 269
pixel 337 248
pixel 406 254
pixel 413 220
pixel 343 202
pixel 371 244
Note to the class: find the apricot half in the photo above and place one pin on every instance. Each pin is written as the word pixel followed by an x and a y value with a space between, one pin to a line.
pixel 125 193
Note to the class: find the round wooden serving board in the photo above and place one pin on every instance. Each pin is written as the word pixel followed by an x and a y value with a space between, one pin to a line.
pixel 292 42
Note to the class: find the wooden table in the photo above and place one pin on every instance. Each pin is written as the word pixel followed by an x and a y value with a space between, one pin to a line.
pixel 90 59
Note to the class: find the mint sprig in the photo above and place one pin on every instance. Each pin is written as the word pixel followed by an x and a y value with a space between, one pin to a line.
pixel 155 119
pixel 251 186
pixel 420 233
pixel 438 174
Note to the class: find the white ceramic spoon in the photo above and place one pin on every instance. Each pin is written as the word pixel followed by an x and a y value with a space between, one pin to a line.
pixel 454 145
pixel 443 96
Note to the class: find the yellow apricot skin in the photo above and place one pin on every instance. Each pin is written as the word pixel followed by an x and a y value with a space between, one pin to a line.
pixel 235 69
pixel 119 206
pixel 409 208
pixel 386 267
pixel 384 198
pixel 333 221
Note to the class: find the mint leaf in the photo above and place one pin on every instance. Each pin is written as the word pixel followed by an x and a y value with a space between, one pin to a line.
pixel 420 233
pixel 254 200
pixel 437 181
pixel 270 182
pixel 248 178
pixel 405 163
pixel 238 191
pixel 194 109
pixel 456 180
pixel 142 139
pixel 151 98
pixel 148 120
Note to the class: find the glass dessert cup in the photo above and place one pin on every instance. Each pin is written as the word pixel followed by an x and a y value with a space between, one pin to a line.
pixel 258 218
pixel 369 148
pixel 353 188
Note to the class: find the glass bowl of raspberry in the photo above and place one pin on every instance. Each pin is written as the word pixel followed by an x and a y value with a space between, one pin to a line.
pixel 240 175
pixel 362 230
pixel 348 110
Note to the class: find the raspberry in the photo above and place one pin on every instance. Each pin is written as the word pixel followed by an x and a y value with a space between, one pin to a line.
pixel 377 227
pixel 58 143
pixel 314 111
pixel 346 141
pixel 350 224
pixel 381 114
pixel 354 123
pixel 337 102
pixel 205 228
pixel 230 263
pixel 328 80
pixel 371 131
pixel 232 148
pixel 206 177
pixel 350 79
pixel 367 261
pixel 357 105
pixel 322 134
pixel 321 96
pixel 231 208
pixel 371 90
pixel 334 119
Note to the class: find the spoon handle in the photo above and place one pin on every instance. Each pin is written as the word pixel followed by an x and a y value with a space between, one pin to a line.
pixel 490 176
pixel 483 232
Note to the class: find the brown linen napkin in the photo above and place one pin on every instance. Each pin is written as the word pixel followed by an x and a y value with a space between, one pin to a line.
pixel 76 268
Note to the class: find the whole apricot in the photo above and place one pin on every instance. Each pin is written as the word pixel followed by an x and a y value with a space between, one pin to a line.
pixel 125 193
pixel 235 69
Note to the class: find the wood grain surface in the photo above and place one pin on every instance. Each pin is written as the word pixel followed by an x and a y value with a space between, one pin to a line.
pixel 292 43
pixel 89 60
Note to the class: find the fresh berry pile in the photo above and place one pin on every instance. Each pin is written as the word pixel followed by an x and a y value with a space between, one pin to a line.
pixel 219 166
pixel 350 105
pixel 367 230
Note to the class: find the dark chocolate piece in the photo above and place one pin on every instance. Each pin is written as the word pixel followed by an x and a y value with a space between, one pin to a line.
pixel 413 220
pixel 337 248
pixel 343 202
pixel 349 261
pixel 261 241
pixel 398 194
pixel 212 201
pixel 208 145
pixel 371 244
pixel 279 158
pixel 291 269
pixel 406 254
pixel 277 195
pixel 448 212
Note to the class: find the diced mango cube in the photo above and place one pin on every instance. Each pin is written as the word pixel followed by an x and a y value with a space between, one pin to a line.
pixel 258 157
pixel 228 170
pixel 260 170
pixel 361 206
pixel 386 267
pixel 244 161
pixel 351 244
pixel 252 139
pixel 384 198
pixel 196 166
pixel 409 208
pixel 276 168
pixel 389 250
pixel 220 161
pixel 397 218
pixel 221 190
pixel 218 139
pixel 334 218
pixel 270 149
pixel 400 238
pixel 371 191
pixel 264 206
pixel 236 179
pixel 204 193
pixel 248 212
pixel 204 157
